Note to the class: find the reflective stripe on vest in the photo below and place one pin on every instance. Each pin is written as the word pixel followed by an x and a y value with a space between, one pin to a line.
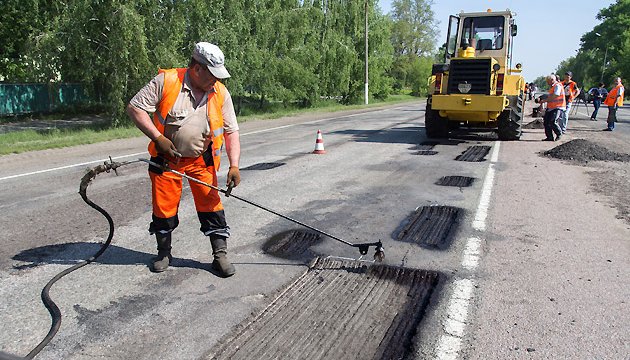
pixel 572 88
pixel 558 102
pixel 173 82
pixel 612 96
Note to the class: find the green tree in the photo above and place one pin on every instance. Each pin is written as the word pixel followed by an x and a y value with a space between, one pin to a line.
pixel 604 52
pixel 294 51
pixel 414 32
pixel 105 48
pixel 26 27
pixel 541 83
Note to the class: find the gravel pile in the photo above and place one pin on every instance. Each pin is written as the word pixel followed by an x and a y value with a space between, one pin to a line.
pixel 584 151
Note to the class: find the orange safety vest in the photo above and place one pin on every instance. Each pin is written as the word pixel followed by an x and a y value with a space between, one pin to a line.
pixel 612 97
pixel 558 102
pixel 173 82
pixel 572 89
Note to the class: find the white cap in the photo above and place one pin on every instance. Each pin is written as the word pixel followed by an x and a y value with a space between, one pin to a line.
pixel 211 56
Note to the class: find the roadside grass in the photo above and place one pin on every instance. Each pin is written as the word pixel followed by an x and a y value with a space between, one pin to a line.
pixel 30 140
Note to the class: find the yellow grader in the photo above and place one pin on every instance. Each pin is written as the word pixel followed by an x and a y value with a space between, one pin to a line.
pixel 476 86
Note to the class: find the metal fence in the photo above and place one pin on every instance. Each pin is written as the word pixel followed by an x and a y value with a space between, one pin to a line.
pixel 16 99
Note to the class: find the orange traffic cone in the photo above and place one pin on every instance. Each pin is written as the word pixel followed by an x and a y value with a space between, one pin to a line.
pixel 319 144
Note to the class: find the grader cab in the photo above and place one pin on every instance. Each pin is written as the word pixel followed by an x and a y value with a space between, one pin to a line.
pixel 476 85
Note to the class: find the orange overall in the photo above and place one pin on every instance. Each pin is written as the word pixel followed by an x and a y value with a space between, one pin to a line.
pixel 167 186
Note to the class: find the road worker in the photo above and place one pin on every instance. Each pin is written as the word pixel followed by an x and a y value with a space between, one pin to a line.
pixel 556 103
pixel 571 92
pixel 598 94
pixel 193 115
pixel 614 100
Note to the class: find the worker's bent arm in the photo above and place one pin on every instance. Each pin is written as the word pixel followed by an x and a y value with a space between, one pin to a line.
pixel 143 121
pixel 233 148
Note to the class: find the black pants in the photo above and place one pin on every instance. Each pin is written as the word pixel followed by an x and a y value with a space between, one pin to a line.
pixel 550 120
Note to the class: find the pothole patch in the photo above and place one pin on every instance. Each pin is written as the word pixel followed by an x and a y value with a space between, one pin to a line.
pixel 294 244
pixel 426 148
pixel 475 153
pixel 457 181
pixel 264 166
pixel 338 309
pixel 432 226
pixel 426 152
pixel 583 151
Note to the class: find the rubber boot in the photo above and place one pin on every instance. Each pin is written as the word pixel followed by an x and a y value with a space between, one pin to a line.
pixel 221 263
pixel 163 258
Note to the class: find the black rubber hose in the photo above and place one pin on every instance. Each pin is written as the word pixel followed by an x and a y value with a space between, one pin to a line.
pixel 54 311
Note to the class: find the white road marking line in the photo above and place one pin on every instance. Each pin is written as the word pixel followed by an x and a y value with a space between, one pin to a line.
pixel 458 307
pixel 472 251
pixel 69 166
pixel 448 348
pixel 450 342
pixel 486 191
pixel 144 153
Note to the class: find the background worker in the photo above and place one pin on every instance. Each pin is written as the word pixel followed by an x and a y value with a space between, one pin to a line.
pixel 598 94
pixel 556 103
pixel 571 91
pixel 526 92
pixel 532 90
pixel 614 100
pixel 193 115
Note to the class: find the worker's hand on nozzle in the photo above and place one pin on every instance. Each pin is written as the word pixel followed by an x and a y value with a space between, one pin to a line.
pixel 233 176
pixel 164 146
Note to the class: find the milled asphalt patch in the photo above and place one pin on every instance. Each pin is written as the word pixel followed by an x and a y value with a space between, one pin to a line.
pixel 426 148
pixel 457 181
pixel 426 152
pixel 264 166
pixel 431 226
pixel 338 309
pixel 475 153
pixel 292 244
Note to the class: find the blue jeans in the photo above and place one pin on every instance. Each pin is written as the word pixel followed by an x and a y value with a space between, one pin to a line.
pixel 612 117
pixel 564 120
pixel 550 121
pixel 596 104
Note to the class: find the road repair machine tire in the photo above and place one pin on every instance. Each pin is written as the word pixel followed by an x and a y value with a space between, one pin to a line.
pixel 510 122
pixel 435 125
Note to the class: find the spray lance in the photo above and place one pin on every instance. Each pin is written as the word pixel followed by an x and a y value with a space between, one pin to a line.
pixel 379 254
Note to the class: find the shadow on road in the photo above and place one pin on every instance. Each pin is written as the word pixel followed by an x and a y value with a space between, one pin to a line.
pixel 72 253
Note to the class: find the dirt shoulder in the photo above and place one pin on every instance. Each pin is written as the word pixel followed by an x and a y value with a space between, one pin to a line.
pixel 554 280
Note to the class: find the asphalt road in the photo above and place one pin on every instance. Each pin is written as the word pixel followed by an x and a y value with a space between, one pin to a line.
pixel 507 257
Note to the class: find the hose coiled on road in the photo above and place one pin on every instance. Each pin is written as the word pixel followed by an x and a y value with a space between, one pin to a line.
pixel 53 309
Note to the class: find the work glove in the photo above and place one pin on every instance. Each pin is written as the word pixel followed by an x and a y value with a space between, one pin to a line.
pixel 233 176
pixel 165 146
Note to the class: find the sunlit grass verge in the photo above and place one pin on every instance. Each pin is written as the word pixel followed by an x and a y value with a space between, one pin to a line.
pixel 30 140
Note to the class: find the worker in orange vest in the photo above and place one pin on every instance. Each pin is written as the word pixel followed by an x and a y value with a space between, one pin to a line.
pixel 571 92
pixel 556 103
pixel 193 115
pixel 614 100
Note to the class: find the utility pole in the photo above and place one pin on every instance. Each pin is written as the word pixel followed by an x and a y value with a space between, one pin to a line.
pixel 601 79
pixel 366 52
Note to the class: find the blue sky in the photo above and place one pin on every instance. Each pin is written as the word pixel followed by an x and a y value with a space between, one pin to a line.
pixel 535 19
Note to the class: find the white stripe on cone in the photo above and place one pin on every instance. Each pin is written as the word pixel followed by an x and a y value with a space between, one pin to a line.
pixel 319 144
